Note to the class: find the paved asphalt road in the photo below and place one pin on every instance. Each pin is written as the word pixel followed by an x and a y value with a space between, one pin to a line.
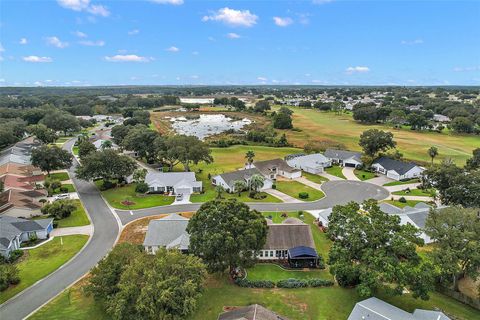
pixel 105 233
pixel 337 192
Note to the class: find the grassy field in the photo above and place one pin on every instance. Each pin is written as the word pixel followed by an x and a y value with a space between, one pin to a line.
pixel 75 150
pixel 116 196
pixel 293 188
pixel 39 262
pixel 335 171
pixel 273 272
pixel 364 175
pixel 314 177
pixel 61 176
pixel 69 186
pixel 396 203
pixel 416 192
pixel 76 219
pixel 398 183
pixel 413 144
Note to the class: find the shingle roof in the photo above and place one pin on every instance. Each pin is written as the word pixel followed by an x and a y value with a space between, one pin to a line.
pixel 342 154
pixel 251 312
pixel 398 166
pixel 231 177
pixel 284 236
pixel 309 160
pixel 266 166
pixel 169 232
pixel 10 227
pixel 174 179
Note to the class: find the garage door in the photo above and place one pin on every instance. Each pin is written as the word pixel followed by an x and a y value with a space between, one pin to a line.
pixel 351 165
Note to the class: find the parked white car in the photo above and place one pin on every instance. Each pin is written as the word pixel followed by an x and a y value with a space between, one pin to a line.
pixel 62 196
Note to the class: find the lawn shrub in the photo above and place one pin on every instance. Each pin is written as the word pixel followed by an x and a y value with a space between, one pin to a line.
pixel 15 255
pixel 8 276
pixel 402 200
pixel 141 187
pixel 107 185
pixel 292 283
pixel 274 186
pixel 320 283
pixel 303 195
pixel 245 283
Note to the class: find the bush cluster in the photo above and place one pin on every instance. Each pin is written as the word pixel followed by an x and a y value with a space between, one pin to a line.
pixel 287 284
pixel 245 283
pixel 303 195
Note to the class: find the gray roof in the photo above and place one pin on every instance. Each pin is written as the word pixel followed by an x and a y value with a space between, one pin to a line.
pixel 168 232
pixel 398 166
pixel 251 312
pixel 310 160
pixel 266 166
pixel 11 227
pixel 19 153
pixel 231 177
pixel 342 154
pixel 174 179
pixel 376 309
pixel 389 208
pixel 289 234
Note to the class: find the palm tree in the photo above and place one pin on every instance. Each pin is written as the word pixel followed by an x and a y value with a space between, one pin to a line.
pixel 82 137
pixel 256 182
pixel 433 152
pixel 249 156
pixel 107 144
pixel 219 190
pixel 239 186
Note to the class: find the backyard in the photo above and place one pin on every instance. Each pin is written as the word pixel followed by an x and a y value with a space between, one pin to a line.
pixel 294 189
pixel 273 272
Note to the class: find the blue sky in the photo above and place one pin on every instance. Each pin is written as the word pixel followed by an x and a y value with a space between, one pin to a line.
pixel 95 42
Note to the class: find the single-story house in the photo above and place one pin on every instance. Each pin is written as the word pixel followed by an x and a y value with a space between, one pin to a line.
pixel 312 163
pixel 169 232
pixel 251 312
pixel 276 167
pixel 290 241
pixel 376 309
pixel 14 231
pixel 20 203
pixel 441 118
pixel 227 180
pixel 13 181
pixel 344 158
pixel 173 182
pixel 396 169
pixel 19 153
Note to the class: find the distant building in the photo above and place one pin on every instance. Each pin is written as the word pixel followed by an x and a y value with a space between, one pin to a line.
pixel 344 158
pixel 396 169
pixel 251 312
pixel 169 232
pixel 311 163
pixel 441 118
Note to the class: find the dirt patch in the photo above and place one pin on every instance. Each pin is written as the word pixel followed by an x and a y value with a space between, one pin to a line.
pixel 469 287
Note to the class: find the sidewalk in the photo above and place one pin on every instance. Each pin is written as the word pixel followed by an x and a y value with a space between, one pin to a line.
pixel 88 230
pixel 309 183
pixel 282 196
pixel 401 187
pixel 330 176
pixel 349 174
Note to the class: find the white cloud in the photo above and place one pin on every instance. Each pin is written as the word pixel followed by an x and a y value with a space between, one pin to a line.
pixel 232 17
pixel 84 5
pixel 98 10
pixel 127 58
pixel 23 41
pixel 233 35
pixel 262 79
pixel 195 53
pixel 358 69
pixel 80 34
pixel 133 32
pixel 56 42
pixel 211 39
pixel 466 69
pixel 282 22
pixel 194 76
pixel 2 49
pixel 173 49
pixel 90 43
pixel 411 42
pixel 37 59
pixel 321 1
pixel 174 2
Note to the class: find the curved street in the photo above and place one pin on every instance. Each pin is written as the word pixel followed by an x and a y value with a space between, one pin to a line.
pixel 106 230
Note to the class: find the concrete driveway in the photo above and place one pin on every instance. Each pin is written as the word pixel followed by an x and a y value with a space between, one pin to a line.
pixel 282 196
pixel 380 180
pixel 349 174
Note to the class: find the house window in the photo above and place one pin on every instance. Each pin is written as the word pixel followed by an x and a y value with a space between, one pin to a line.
pixel 151 189
pixel 214 181
pixel 261 254
pixel 161 189
pixel 197 189
pixel 271 253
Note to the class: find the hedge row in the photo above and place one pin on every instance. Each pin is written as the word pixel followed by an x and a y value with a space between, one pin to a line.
pixel 288 283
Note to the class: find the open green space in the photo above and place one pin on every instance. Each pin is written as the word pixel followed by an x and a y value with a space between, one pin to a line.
pixel 75 150
pixel 396 203
pixel 273 272
pixel 364 175
pixel 39 262
pixel 398 183
pixel 314 177
pixel 69 186
pixel 210 194
pixel 76 219
pixel 119 196
pixel 335 171
pixel 60 176
pixel 293 188
pixel 416 192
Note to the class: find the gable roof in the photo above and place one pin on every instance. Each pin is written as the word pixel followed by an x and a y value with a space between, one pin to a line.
pixel 283 236
pixel 171 179
pixel 398 166
pixel 310 160
pixel 168 232
pixel 19 153
pixel 21 199
pixel 251 312
pixel 266 166
pixel 231 177
pixel 11 227
pixel 343 154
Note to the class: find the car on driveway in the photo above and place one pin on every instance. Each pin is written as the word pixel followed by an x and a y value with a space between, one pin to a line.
pixel 62 196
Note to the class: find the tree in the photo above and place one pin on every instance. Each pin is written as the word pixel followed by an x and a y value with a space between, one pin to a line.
pixel 51 158
pixel 373 141
pixel 42 133
pixel 141 140
pixel 373 251
pixel 433 152
pixel 261 106
pixel 219 190
pixel 59 209
pixel 85 148
pixel 417 121
pixel 139 175
pixel 456 232
pixel 9 275
pixel 60 121
pixel 227 234
pixel 250 155
pixel 184 149
pixel 462 125
pixel 283 119
pixel 397 117
pixel 107 144
pixel 141 187
pixel 474 162
pixel 239 185
pixel 119 132
pixel 105 164
pixel 256 182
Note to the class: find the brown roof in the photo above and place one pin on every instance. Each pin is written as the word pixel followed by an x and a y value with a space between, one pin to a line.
pixel 21 199
pixel 17 182
pixel 266 166
pixel 284 236
pixel 17 169
pixel 251 312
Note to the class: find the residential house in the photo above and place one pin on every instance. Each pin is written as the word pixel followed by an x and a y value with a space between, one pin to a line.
pixel 251 312
pixel 290 241
pixel 441 118
pixel 14 231
pixel 227 180
pixel 376 309
pixel 312 163
pixel 169 232
pixel 396 169
pixel 344 158
pixel 173 182
pixel 100 142
pixel 21 203
pixel 271 169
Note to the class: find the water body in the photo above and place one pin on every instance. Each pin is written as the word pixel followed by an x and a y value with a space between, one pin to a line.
pixel 206 125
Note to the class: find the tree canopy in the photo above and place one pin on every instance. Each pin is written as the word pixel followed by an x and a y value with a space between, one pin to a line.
pixel 51 158
pixel 374 141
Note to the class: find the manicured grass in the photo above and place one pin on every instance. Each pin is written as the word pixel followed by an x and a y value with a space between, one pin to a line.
pixel 60 176
pixel 39 262
pixel 335 171
pixel 273 272
pixel 69 186
pixel 210 194
pixel 75 150
pixel 398 183
pixel 364 175
pixel 116 196
pixel 410 203
pixel 276 216
pixel 416 192
pixel 77 218
pixel 314 177
pixel 293 188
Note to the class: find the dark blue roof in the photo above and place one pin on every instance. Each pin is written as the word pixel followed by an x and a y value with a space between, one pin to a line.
pixel 302 251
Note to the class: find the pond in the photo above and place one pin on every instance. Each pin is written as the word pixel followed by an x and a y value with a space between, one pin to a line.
pixel 205 125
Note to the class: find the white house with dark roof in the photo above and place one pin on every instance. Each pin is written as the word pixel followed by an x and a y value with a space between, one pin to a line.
pixel 376 309
pixel 227 180
pixel 169 232
pixel 344 158
pixel 276 167
pixel 396 169
pixel 313 163
pixel 173 182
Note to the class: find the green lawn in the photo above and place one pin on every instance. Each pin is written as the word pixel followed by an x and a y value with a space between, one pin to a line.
pixel 314 177
pixel 416 192
pixel 335 171
pixel 277 215
pixel 364 175
pixel 75 150
pixel 210 194
pixel 398 183
pixel 60 176
pixel 293 188
pixel 273 272
pixel 69 186
pixel 39 262
pixel 116 196
pixel 76 219
pixel 410 203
